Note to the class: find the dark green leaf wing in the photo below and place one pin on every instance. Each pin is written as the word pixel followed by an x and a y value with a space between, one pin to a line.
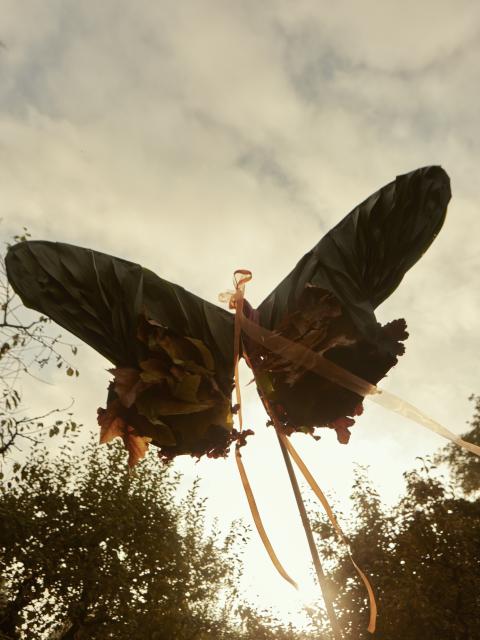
pixel 328 301
pixel 100 298
pixel 365 256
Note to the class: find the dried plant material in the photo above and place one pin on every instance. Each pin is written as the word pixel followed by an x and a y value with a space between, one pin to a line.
pixel 304 400
pixel 173 352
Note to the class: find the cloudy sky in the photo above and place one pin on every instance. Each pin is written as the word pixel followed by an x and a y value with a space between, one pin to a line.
pixel 197 137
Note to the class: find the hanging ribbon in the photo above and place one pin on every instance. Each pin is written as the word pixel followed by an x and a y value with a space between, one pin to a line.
pixel 274 342
pixel 308 359
pixel 258 521
pixel 397 405
pixel 235 301
pixel 331 516
pixel 305 358
pixel 328 510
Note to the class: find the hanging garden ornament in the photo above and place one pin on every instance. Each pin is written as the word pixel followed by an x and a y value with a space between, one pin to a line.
pixel 314 344
pixel 173 352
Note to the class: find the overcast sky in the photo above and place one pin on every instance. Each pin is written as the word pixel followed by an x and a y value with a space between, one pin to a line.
pixel 198 137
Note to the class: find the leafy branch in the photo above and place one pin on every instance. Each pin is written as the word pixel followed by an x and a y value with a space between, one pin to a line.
pixel 27 346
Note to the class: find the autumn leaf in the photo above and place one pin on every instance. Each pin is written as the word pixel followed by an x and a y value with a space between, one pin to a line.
pixel 154 370
pixel 153 404
pixel 178 349
pixel 172 400
pixel 127 384
pixel 193 367
pixel 136 445
pixel 205 352
pixel 159 432
pixel 341 426
pixel 111 423
pixel 187 388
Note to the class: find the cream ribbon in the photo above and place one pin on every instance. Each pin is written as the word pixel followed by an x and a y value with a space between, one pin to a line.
pixel 235 301
pixel 287 349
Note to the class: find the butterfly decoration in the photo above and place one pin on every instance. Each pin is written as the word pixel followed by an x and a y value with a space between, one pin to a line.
pixel 173 353
pixel 314 344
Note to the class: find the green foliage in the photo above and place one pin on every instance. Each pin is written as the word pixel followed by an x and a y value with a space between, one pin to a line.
pixel 422 556
pixel 465 467
pixel 89 551
pixel 27 346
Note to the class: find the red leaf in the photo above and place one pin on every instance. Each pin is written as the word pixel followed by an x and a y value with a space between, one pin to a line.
pixel 111 423
pixel 137 446
pixel 341 426
pixel 343 435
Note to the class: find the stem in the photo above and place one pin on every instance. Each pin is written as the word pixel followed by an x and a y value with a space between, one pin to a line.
pixel 311 543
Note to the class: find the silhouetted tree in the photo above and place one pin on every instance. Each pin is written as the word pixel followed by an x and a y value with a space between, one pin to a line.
pixel 422 555
pixel 91 552
pixel 27 346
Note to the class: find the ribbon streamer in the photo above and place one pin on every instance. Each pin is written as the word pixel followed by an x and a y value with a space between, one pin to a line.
pixel 258 521
pixel 402 407
pixel 306 358
pixel 292 452
pixel 235 301
pixel 331 516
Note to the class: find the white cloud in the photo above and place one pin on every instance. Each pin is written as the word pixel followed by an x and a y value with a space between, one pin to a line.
pixel 388 36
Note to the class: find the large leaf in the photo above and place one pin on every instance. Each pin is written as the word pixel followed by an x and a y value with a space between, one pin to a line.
pixel 154 404
pixel 365 256
pixel 100 299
